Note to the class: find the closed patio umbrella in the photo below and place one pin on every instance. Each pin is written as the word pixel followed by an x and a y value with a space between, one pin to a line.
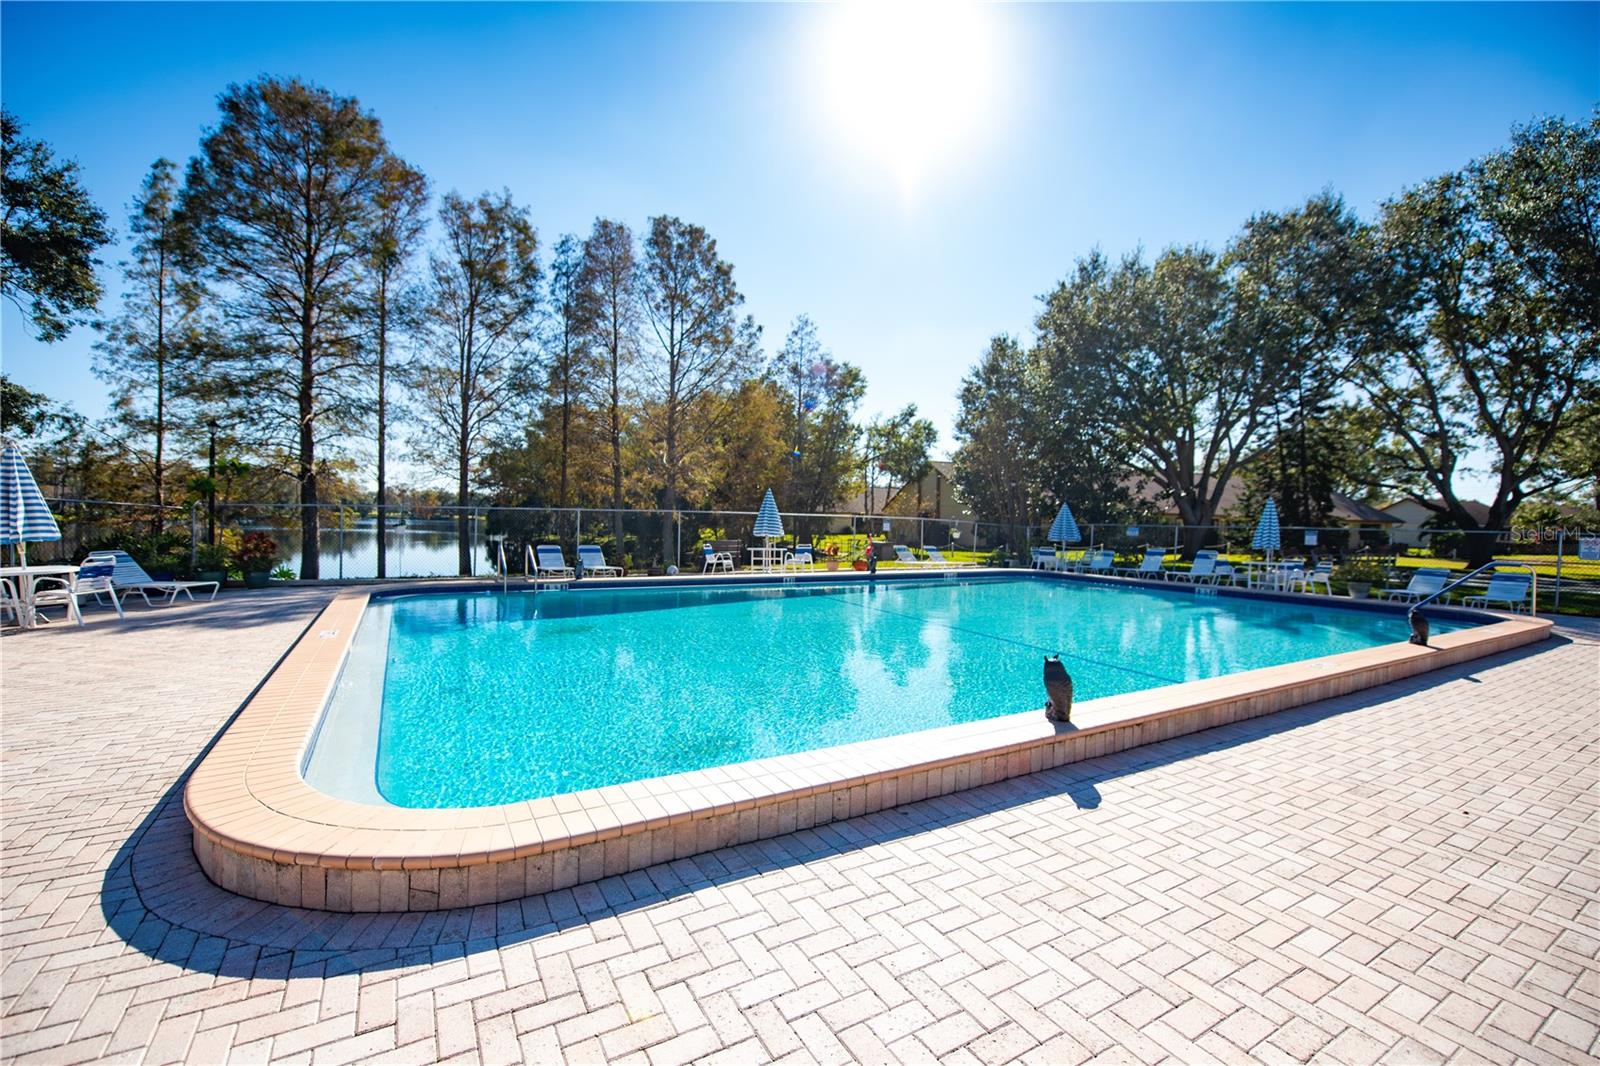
pixel 1064 530
pixel 24 515
pixel 768 523
pixel 1267 537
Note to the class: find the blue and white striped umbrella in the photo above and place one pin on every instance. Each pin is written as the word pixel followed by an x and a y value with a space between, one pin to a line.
pixel 1064 530
pixel 1267 536
pixel 768 524
pixel 24 516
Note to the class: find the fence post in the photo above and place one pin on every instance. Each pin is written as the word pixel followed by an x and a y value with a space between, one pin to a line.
pixel 472 539
pixel 341 542
pixel 194 535
pixel 1561 542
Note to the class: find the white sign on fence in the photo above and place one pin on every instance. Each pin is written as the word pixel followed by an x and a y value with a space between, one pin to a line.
pixel 1311 538
pixel 1133 531
pixel 1589 549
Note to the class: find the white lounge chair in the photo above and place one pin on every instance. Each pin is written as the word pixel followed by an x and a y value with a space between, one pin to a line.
pixel 1044 559
pixel 1508 589
pixel 716 560
pixel 92 579
pixel 1102 561
pixel 548 560
pixel 129 577
pixel 1149 566
pixel 903 554
pixel 1321 574
pixel 801 556
pixel 10 602
pixel 593 560
pixel 936 557
pixel 1424 583
pixel 1202 571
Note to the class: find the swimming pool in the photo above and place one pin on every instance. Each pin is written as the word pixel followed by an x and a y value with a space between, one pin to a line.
pixel 472 699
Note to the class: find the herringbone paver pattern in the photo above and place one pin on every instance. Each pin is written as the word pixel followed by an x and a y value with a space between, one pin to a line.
pixel 1410 874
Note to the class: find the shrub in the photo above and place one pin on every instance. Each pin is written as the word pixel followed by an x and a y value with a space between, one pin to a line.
pixel 256 553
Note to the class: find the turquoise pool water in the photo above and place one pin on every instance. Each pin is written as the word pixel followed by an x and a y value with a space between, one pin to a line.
pixel 493 698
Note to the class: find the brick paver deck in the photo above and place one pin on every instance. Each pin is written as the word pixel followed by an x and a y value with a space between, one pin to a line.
pixel 1409 874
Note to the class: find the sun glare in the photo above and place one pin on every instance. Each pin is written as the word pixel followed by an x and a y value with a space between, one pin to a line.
pixel 908 84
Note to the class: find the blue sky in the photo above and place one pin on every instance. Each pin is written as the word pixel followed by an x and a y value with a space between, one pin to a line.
pixel 1036 133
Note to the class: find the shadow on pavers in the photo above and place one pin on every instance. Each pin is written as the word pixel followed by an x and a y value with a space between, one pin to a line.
pixel 157 899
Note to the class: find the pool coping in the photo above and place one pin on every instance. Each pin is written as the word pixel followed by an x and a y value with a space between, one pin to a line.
pixel 262 831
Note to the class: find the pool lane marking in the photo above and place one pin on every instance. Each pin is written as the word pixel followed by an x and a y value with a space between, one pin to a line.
pixel 1025 644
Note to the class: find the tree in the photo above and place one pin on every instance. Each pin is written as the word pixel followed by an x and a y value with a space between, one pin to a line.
pixel 898 448
pixel 1484 333
pixel 996 463
pixel 280 201
pixel 821 395
pixel 1164 369
pixel 701 347
pixel 1577 449
pixel 482 294
pixel 25 413
pixel 49 232
pixel 1298 279
pixel 397 224
pixel 148 351
pixel 568 355
pixel 610 274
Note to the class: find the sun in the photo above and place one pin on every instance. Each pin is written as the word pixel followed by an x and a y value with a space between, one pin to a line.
pixel 907 85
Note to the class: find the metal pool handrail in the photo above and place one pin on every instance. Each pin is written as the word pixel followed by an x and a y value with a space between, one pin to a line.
pixel 1419 623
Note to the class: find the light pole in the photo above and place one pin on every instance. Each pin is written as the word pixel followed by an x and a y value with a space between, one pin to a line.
pixel 211 485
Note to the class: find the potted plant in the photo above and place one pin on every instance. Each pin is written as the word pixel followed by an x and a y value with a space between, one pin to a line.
pixel 1360 573
pixel 255 555
pixel 211 563
pixel 830 556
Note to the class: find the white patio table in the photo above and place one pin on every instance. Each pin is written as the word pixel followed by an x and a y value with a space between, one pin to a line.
pixel 768 559
pixel 1275 575
pixel 27 578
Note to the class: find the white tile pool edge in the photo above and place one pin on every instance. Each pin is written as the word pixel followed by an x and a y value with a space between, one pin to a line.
pixel 260 830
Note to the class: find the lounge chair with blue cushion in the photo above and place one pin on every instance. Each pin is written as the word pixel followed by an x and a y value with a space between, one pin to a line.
pixel 128 576
pixel 1150 566
pixel 1424 583
pixel 1102 561
pixel 801 556
pixel 1203 571
pixel 903 554
pixel 593 560
pixel 549 561
pixel 1510 590
pixel 1044 559
pixel 716 560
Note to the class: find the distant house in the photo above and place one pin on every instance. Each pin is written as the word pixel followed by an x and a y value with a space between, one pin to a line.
pixel 936 493
pixel 864 502
pixel 1411 515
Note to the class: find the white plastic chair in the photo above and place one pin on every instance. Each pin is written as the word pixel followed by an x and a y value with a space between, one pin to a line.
pixel 801 556
pixel 716 560
pixel 92 579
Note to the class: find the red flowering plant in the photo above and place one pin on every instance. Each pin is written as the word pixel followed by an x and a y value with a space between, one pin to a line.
pixel 256 553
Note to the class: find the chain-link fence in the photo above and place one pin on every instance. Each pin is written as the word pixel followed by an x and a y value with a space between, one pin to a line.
pixel 353 542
